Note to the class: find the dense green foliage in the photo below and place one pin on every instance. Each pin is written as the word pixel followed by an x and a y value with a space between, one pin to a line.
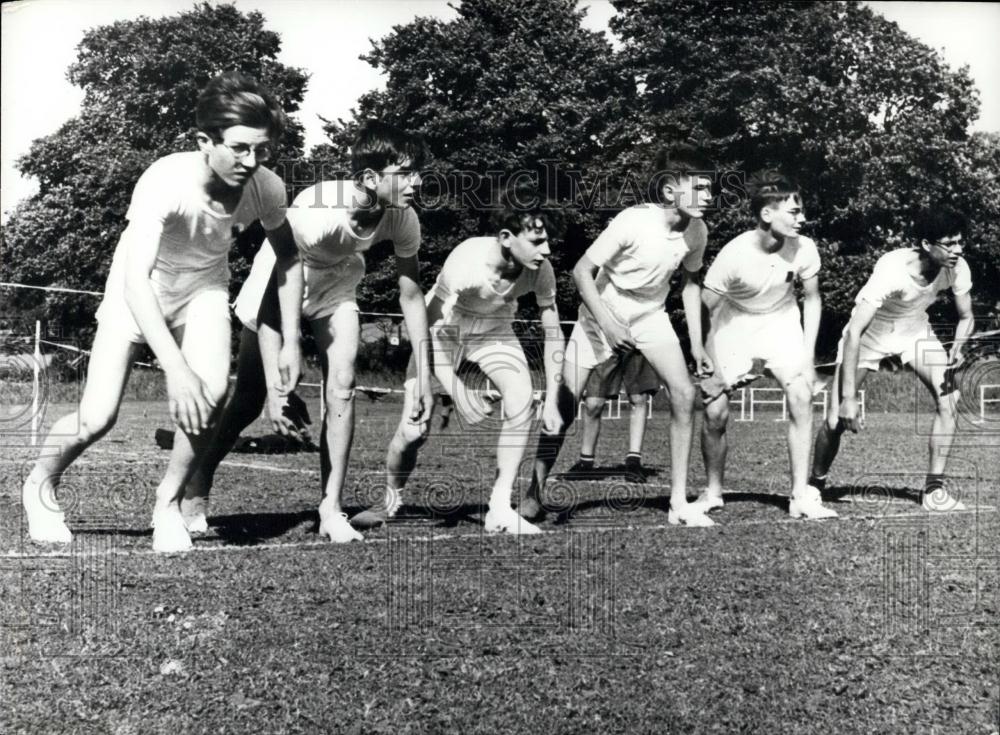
pixel 873 124
pixel 141 80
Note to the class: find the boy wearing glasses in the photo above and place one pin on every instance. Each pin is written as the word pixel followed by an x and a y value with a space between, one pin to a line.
pixel 333 222
pixel 168 287
pixel 890 319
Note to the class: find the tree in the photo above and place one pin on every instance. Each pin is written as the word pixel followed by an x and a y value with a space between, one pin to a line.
pixel 872 123
pixel 141 80
pixel 508 86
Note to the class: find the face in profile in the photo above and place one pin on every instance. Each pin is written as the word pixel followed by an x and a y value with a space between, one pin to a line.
pixel 530 246
pixel 945 251
pixel 785 217
pixel 396 185
pixel 690 195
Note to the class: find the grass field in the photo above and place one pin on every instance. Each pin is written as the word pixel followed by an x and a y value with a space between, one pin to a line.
pixel 884 620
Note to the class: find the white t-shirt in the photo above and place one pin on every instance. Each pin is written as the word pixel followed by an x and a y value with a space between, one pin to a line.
pixel 637 253
pixel 754 281
pixel 194 239
pixel 325 239
pixel 322 228
pixel 900 299
pixel 468 287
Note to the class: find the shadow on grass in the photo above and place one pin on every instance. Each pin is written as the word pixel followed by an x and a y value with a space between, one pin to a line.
pixel 870 494
pixel 247 529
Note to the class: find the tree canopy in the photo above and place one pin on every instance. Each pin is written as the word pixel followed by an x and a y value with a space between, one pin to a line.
pixel 872 123
pixel 141 81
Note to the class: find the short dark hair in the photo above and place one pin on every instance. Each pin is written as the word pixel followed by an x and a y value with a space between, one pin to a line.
pixel 768 188
pixel 231 99
pixel 673 163
pixel 938 222
pixel 519 205
pixel 379 145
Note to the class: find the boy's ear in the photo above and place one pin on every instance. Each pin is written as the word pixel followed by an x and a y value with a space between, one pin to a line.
pixel 505 237
pixel 368 178
pixel 204 141
pixel 667 194
pixel 765 214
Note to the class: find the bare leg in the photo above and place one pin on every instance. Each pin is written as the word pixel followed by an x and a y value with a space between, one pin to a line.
pixel 570 390
pixel 714 448
pixel 668 362
pixel 805 501
pixel 109 367
pixel 243 405
pixel 337 339
pixel 830 431
pixel 637 422
pixel 590 431
pixel 936 497
pixel 204 341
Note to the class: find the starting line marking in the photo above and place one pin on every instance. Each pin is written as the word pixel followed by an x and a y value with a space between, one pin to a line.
pixel 463 536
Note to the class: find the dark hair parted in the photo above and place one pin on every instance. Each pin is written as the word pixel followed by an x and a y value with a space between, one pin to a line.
pixel 518 206
pixel 231 99
pixel 938 222
pixel 674 163
pixel 379 145
pixel 767 188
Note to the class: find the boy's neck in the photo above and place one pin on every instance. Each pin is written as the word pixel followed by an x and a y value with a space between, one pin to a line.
pixel 767 242
pixel 365 210
pixel 927 269
pixel 502 263
pixel 676 221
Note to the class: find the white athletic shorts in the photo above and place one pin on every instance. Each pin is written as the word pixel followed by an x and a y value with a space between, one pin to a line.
pixel 201 307
pixel 885 339
pixel 327 290
pixel 483 340
pixel 737 338
pixel 588 347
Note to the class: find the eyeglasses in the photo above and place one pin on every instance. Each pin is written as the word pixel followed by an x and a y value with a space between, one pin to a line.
pixel 261 153
pixel 949 245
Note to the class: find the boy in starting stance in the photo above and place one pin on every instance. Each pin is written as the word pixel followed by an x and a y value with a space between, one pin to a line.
pixel 624 278
pixel 890 318
pixel 750 295
pixel 470 310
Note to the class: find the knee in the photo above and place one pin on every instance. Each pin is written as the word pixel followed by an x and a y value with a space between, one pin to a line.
pixel 682 399
pixel 593 409
pixel 95 424
pixel 518 405
pixel 340 386
pixel 410 437
pixel 716 417
pixel 946 410
pixel 799 397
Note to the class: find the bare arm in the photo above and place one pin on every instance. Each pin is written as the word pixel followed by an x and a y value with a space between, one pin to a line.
pixel 617 334
pixel 860 319
pixel 288 272
pixel 191 403
pixel 812 311
pixel 966 323
pixel 554 345
pixel 411 303
pixel 691 297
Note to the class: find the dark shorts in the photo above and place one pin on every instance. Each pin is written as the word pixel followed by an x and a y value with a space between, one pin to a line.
pixel 630 371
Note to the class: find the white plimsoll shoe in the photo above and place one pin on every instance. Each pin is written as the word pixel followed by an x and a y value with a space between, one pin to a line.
pixel 941 501
pixel 46 523
pixel 809 505
pixel 689 515
pixel 507 520
pixel 195 514
pixel 708 501
pixel 336 527
pixel 170 535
